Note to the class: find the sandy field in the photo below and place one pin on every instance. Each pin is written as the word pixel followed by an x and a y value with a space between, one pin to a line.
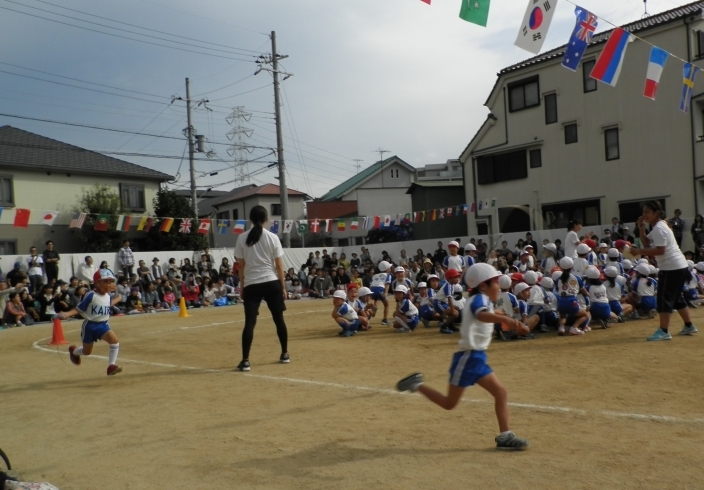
pixel 608 410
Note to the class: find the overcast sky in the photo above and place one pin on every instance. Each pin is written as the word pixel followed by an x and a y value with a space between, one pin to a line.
pixel 396 74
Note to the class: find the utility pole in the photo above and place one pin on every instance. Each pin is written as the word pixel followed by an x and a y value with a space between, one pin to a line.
pixel 191 150
pixel 283 191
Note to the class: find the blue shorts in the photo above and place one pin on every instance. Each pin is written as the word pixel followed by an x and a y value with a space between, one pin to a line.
pixel 600 311
pixel 616 307
pixel 551 319
pixel 91 332
pixel 567 305
pixel 468 367
pixel 691 294
pixel 412 322
pixel 353 326
pixel 534 310
pixel 378 294
pixel 440 307
pixel 426 312
pixel 647 303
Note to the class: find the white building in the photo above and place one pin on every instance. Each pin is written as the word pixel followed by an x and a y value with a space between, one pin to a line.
pixel 450 170
pixel 563 145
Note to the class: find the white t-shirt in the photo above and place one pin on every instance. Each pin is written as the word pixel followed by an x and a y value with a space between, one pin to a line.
pixel 673 258
pixel 571 242
pixel 476 335
pixel 35 270
pixel 95 307
pixel 259 259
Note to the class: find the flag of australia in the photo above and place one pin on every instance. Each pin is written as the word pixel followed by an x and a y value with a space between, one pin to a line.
pixel 581 37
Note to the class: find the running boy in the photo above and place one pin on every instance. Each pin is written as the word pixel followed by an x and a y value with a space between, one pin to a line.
pixel 95 308
pixel 469 366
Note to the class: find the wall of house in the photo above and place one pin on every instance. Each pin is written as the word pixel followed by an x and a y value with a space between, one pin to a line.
pixel 655 137
pixel 425 198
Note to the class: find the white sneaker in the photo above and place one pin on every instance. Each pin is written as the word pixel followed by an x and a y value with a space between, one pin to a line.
pixel 561 330
pixel 587 329
pixel 576 331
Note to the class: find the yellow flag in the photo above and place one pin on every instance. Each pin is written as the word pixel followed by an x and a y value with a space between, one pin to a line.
pixel 142 223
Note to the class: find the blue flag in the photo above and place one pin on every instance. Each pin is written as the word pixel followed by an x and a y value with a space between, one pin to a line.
pixel 690 73
pixel 274 227
pixel 223 225
pixel 581 37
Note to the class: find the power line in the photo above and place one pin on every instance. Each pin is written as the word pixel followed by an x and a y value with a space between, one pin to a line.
pixel 242 93
pixel 226 86
pixel 85 150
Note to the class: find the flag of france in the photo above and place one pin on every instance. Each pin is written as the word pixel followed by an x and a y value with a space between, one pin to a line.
pixel 658 58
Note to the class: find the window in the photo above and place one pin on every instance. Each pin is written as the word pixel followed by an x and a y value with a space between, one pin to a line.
pixel 589 82
pixel 556 216
pixel 536 158
pixel 514 220
pixel 611 142
pixel 570 133
pixel 502 167
pixel 223 215
pixel 394 173
pixel 276 209
pixel 550 108
pixel 700 44
pixel 482 228
pixel 523 94
pixel 132 196
pixel 343 242
pixel 7 198
pixel 235 214
pixel 629 212
pixel 8 247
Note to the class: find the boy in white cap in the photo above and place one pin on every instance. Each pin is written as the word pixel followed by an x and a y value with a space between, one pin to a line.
pixel 581 262
pixel 602 257
pixel 568 286
pixel 406 314
pixel 364 296
pixel 550 317
pixel 344 315
pixel 454 260
pixel 426 309
pixel 537 301
pixel 95 308
pixel 445 303
pixel 469 364
pixel 616 294
pixel 642 296
pixel 379 285
pixel 613 259
pixel 358 306
pixel 549 261
pixel 401 279
pixel 470 253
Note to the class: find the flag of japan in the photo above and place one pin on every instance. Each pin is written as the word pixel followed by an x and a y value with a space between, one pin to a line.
pixel 49 217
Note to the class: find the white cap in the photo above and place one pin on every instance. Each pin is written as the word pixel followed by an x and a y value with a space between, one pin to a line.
pixel 520 287
pixel 524 252
pixel 613 253
pixel 556 275
pixel 364 292
pixel 642 261
pixel 603 245
pixel 453 244
pixel 530 277
pixel 690 265
pixel 583 248
pixel 529 246
pixel 339 294
pixel 470 247
pixel 399 269
pixel 401 289
pixel 547 283
pixel 422 285
pixel 551 247
pixel 611 271
pixel 384 266
pixel 643 269
pixel 479 273
pixel 653 269
pixel 627 264
pixel 566 263
pixel 505 282
pixel 592 273
pixel 432 276
pixel 699 266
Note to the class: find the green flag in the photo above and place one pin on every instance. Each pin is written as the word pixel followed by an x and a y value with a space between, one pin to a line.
pixel 475 11
pixel 302 227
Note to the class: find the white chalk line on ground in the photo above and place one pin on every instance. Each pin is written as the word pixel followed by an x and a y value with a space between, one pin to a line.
pixel 527 406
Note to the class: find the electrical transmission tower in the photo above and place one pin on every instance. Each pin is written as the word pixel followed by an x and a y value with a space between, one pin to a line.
pixel 240 149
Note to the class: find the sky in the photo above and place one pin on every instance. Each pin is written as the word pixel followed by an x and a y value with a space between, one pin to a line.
pixel 398 75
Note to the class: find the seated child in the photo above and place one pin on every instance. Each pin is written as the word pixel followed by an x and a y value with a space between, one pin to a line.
pixel 134 302
pixel 550 316
pixel 401 280
pixel 344 314
pixel 358 306
pixel 568 286
pixel 444 302
pixel 642 296
pixel 522 291
pixel 364 295
pixel 537 301
pixel 599 308
pixel 691 295
pixel 425 304
pixel 169 298
pixel 616 294
pixel 295 290
pixel 406 314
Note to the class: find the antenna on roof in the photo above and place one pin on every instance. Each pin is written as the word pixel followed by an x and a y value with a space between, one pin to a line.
pixel 358 163
pixel 381 153
pixel 645 7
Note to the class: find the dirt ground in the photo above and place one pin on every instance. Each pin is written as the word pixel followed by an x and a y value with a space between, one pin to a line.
pixel 608 410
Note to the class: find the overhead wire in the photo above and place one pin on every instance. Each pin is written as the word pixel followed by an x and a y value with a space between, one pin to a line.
pixel 291 122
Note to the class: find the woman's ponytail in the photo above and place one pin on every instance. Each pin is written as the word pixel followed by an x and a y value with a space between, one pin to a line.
pixel 258 217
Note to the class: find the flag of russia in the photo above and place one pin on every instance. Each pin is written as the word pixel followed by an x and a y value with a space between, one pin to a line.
pixel 658 57
pixel 608 66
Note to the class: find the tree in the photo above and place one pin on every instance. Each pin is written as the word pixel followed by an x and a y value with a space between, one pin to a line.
pixel 168 204
pixel 100 199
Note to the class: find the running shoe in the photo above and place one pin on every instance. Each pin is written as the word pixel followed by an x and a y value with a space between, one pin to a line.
pixel 544 328
pixel 635 315
pixel 410 383
pixel 688 330
pixel 348 333
pixel 244 365
pixel 604 324
pixel 511 442
pixel 74 359
pixel 660 334
pixel 19 324
pixel 403 330
pixel 426 323
pixel 446 329
pixel 586 328
pixel 284 359
pixel 113 369
pixel 652 313
pixel 621 319
pixel 561 330
pixel 385 322
pixel 576 331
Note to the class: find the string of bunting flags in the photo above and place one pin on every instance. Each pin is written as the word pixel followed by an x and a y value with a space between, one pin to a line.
pixel 534 29
pixel 123 222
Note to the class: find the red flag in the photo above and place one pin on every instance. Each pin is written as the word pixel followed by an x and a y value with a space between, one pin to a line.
pixel 355 224
pixel 426 1
pixel 315 226
pixel 148 226
pixel 204 226
pixel 472 208
pixel 21 218
pixel 328 225
pixel 377 221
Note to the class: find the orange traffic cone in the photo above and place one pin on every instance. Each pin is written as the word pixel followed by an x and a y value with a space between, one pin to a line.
pixel 57 337
pixel 182 313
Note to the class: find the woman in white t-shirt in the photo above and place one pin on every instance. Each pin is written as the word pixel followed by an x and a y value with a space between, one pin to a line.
pixel 572 239
pixel 261 273
pixel 673 271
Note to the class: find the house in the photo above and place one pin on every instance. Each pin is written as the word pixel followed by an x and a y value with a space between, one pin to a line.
pixel 200 195
pixel 450 170
pixel 236 204
pixel 378 190
pixel 42 174
pixel 427 195
pixel 559 145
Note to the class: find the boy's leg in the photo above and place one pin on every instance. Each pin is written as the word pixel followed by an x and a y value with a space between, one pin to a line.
pixel 448 402
pixel 111 339
pixel 386 308
pixel 492 384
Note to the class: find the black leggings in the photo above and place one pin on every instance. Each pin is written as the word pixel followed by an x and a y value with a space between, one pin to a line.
pixel 272 293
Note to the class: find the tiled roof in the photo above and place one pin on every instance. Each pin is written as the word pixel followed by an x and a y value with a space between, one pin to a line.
pixel 640 25
pixel 29 151
pixel 352 182
pixel 244 192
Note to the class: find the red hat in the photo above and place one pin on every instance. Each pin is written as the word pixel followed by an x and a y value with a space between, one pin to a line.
pixel 452 273
pixel 352 285
pixel 620 243
pixel 590 242
pixel 517 276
